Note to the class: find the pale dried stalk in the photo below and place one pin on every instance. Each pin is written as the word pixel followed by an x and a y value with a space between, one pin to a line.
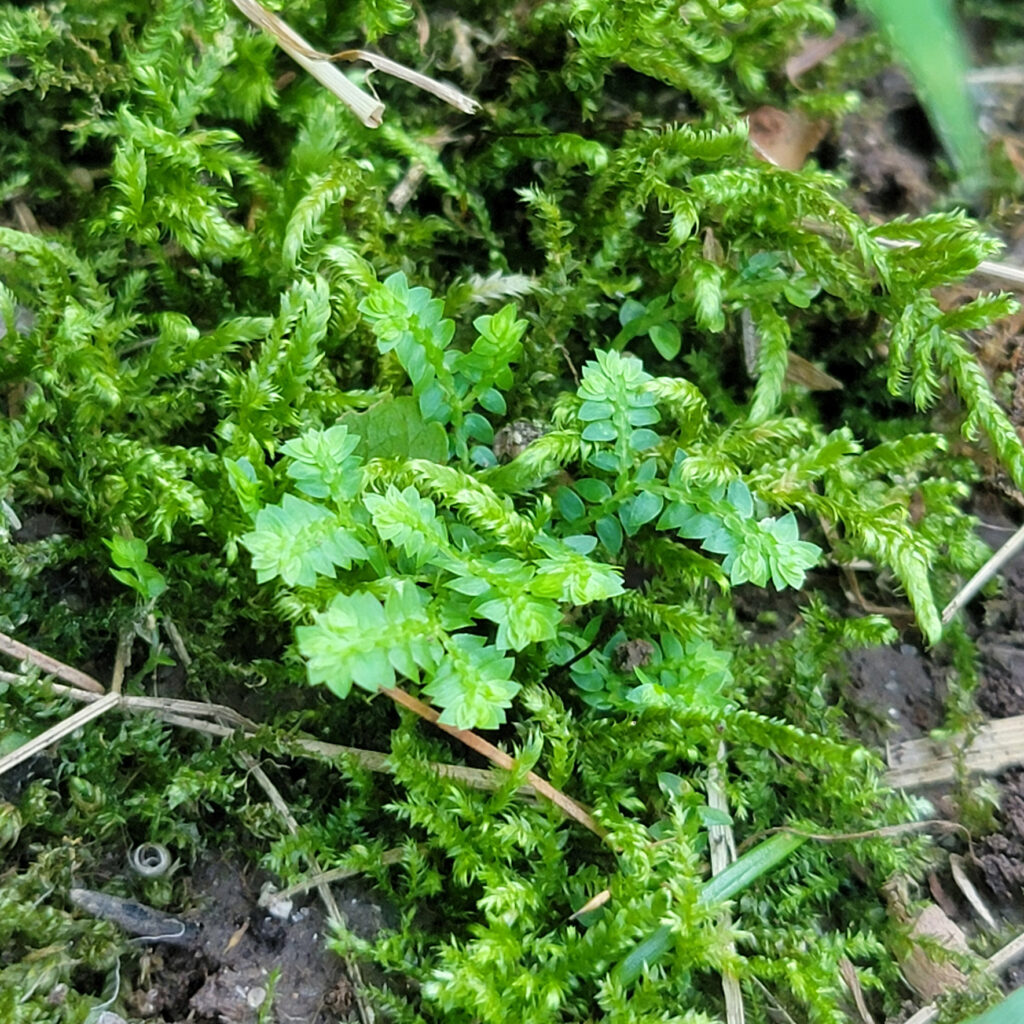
pixel 8 645
pixel 59 731
pixel 983 575
pixel 192 714
pixel 442 90
pixel 564 803
pixel 368 109
pixel 722 846
pixel 393 856
pixel 334 915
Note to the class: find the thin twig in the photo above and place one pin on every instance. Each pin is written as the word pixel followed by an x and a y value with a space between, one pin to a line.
pixel 367 108
pixel 319 64
pixel 59 731
pixel 192 714
pixel 333 875
pixel 722 845
pixel 499 757
pixel 442 90
pixel 16 649
pixel 983 575
pixel 334 915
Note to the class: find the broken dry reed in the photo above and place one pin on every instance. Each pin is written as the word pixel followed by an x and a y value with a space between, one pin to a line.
pixel 541 786
pixel 16 649
pixel 983 575
pixel 367 108
pixel 321 66
pixel 722 850
pixel 39 743
pixel 334 915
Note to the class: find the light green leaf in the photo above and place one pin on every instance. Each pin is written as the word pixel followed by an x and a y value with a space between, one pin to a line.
pixel 473 683
pixel 363 640
pixel 297 541
pixel 394 428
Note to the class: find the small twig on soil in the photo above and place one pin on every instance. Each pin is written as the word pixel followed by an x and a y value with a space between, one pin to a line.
pixel 8 645
pixel 983 575
pixel 498 757
pixel 122 659
pixel 883 832
pixel 192 714
pixel 328 877
pixel 442 90
pixel 334 915
pixel 970 893
pixel 849 974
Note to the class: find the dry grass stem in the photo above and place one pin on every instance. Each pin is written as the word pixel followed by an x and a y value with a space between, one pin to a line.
pixel 958 868
pixel 367 108
pixel 329 877
pixel 223 721
pixel 499 757
pixel 722 847
pixel 983 575
pixel 366 1014
pixel 320 65
pixel 442 90
pixel 59 731
pixel 8 645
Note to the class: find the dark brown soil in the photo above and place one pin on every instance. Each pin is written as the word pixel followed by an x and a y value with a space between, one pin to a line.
pixel 247 962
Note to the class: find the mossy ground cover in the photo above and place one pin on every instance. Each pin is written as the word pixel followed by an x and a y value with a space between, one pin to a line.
pixel 492 412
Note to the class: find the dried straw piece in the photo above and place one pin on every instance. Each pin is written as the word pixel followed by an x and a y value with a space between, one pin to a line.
pixel 16 649
pixel 320 65
pixel 367 108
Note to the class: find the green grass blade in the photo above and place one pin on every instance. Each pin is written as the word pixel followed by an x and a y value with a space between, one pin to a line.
pixel 732 881
pixel 928 40
pixel 1009 1011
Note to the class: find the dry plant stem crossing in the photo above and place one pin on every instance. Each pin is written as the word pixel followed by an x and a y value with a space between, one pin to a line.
pixel 56 733
pixel 367 108
pixel 496 756
pixel 223 721
pixel 723 852
pixel 8 645
pixel 983 575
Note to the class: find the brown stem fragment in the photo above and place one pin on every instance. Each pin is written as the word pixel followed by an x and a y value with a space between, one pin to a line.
pixel 496 756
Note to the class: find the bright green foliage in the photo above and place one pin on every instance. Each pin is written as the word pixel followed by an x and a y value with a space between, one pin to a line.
pixel 250 360
pixel 297 540
pixel 129 554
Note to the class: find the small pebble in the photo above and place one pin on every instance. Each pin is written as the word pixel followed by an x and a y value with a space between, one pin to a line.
pixel 256 996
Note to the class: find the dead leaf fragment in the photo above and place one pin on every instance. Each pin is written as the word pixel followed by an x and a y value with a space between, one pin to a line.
pixel 784 139
pixel 804 374
pixel 928 974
